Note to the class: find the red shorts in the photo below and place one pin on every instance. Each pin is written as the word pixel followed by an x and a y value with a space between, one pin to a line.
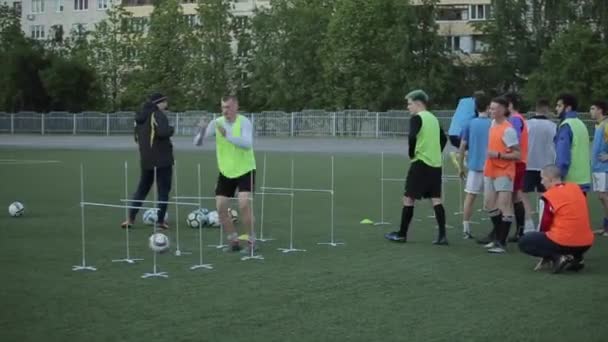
pixel 520 172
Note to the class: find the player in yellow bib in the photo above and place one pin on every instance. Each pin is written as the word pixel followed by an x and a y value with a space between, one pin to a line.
pixel 236 162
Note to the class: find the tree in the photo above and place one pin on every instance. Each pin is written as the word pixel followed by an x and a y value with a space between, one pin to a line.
pixel 576 62
pixel 211 64
pixel 113 47
pixel 166 52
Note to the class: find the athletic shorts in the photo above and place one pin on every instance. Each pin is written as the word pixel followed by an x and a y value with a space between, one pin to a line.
pixel 532 182
pixel 423 181
pixel 600 181
pixel 455 140
pixel 500 184
pixel 227 186
pixel 520 173
pixel 474 182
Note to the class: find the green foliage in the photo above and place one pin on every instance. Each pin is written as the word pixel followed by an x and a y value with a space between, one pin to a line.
pixel 576 62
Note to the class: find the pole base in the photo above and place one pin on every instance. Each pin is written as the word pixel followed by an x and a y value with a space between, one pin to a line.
pixel 204 266
pixel 180 253
pixel 252 257
pixel 290 250
pixel 155 275
pixel 456 213
pixel 83 268
pixel 381 223
pixel 333 244
pixel 217 246
pixel 127 260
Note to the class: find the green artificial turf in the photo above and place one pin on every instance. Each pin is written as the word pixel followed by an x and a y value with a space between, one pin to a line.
pixel 367 290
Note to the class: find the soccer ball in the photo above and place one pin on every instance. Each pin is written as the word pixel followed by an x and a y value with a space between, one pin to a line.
pixel 150 217
pixel 213 219
pixel 16 209
pixel 195 219
pixel 233 214
pixel 158 242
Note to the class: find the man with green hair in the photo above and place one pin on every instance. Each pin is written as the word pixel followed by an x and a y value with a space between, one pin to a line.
pixel 235 159
pixel 426 143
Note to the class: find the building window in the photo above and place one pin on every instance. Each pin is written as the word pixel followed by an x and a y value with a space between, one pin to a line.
pixel 103 4
pixel 452 43
pixel 480 12
pixel 37 31
pixel 81 5
pixel 137 24
pixel 452 13
pixel 188 1
pixel 17 8
pixel 191 20
pixel 79 28
pixel 241 21
pixel 59 5
pixel 479 45
pixel 37 6
pixel 56 33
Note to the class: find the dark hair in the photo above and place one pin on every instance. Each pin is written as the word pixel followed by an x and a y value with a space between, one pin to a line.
pixel 482 102
pixel 568 100
pixel 227 98
pixel 601 105
pixel 418 95
pixel 513 99
pixel 543 103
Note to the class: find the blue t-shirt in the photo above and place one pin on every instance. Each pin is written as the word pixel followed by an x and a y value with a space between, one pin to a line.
pixel 476 134
pixel 600 145
pixel 465 111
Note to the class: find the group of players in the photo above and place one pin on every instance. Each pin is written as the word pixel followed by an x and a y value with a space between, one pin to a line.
pixel 508 157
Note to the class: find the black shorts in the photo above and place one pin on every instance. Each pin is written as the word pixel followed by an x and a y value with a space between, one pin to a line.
pixel 423 181
pixel 455 140
pixel 532 182
pixel 227 186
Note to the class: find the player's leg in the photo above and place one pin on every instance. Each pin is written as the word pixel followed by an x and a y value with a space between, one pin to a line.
pixel 163 185
pixel 224 190
pixel 600 185
pixel 538 245
pixel 518 204
pixel 504 202
pixel 434 179
pixel 490 198
pixel 246 188
pixel 146 179
pixel 473 187
pixel 412 191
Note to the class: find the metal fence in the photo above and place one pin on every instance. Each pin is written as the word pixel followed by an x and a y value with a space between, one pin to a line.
pixel 307 123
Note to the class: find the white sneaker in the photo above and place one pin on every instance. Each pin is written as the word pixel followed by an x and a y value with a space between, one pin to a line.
pixel 497 249
pixel 490 245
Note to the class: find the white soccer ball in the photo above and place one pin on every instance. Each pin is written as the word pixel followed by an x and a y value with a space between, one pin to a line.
pixel 158 242
pixel 16 209
pixel 150 217
pixel 233 214
pixel 213 219
pixel 195 220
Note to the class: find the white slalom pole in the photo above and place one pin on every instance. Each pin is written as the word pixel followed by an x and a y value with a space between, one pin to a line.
pixel 252 238
pixel 200 264
pixel 332 242
pixel 178 251
pixel 382 222
pixel 200 186
pixel 291 248
pixel 154 269
pixel 128 258
pixel 262 238
pixel 84 266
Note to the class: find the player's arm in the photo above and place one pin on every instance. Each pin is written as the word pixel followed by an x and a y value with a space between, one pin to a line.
pixel 563 149
pixel 464 137
pixel 161 125
pixel 512 142
pixel 246 138
pixel 204 131
pixel 415 125
pixel 547 215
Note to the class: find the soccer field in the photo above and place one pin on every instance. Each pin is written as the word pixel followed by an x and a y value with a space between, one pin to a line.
pixel 366 290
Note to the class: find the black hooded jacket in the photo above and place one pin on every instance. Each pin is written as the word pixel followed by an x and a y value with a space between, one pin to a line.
pixel 153 135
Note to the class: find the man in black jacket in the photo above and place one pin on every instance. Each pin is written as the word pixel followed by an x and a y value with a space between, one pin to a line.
pixel 153 135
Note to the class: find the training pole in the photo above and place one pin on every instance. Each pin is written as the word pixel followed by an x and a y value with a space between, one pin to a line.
pixel 262 238
pixel 155 273
pixel 127 258
pixel 291 249
pixel 382 222
pixel 252 239
pixel 178 251
pixel 84 266
pixel 201 264
pixel 332 242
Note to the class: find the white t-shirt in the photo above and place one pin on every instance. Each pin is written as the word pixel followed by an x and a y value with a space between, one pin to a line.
pixel 244 141
pixel 541 148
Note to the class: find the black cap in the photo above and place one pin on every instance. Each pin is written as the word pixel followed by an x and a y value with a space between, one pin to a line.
pixel 157 98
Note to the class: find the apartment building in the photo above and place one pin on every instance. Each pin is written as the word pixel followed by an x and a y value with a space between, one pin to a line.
pixel 14 4
pixel 55 19
pixel 456 20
